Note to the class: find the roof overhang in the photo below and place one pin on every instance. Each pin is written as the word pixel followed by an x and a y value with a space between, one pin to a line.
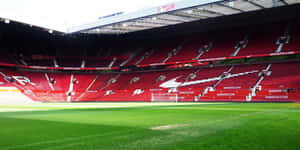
pixel 174 13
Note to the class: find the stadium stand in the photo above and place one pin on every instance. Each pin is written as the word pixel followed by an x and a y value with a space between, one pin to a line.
pixel 262 39
pixel 198 66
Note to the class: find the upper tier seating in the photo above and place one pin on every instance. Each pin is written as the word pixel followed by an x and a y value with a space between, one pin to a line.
pixel 262 39
pixel 223 45
pixel 190 49
pixel 69 62
pixel 40 63
pixel 6 60
pixel 97 63
pixel 140 54
pixel 160 53
pixel 294 42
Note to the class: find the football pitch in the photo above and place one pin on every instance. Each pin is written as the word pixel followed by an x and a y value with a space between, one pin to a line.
pixel 150 126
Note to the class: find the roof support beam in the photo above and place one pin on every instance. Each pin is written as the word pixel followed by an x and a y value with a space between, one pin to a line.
pixel 233 8
pixel 210 11
pixel 208 14
pixel 107 31
pixel 148 22
pixel 175 17
pixel 172 21
pixel 284 2
pixel 120 28
pixel 186 15
pixel 255 4
pixel 140 26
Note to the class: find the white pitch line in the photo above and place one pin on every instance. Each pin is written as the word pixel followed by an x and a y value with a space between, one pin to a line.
pixel 17 109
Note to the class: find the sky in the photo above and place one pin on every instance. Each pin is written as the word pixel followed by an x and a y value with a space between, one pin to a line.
pixel 61 14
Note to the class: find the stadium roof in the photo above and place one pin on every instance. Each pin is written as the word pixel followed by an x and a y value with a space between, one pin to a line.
pixel 174 13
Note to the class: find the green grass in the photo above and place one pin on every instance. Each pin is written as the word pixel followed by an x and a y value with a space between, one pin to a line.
pixel 183 126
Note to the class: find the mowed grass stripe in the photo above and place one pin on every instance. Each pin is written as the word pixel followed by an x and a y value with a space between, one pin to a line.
pixel 64 140
pixel 178 135
pixel 55 133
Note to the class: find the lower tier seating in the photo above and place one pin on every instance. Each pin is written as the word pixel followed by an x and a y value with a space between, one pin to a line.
pixel 229 83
